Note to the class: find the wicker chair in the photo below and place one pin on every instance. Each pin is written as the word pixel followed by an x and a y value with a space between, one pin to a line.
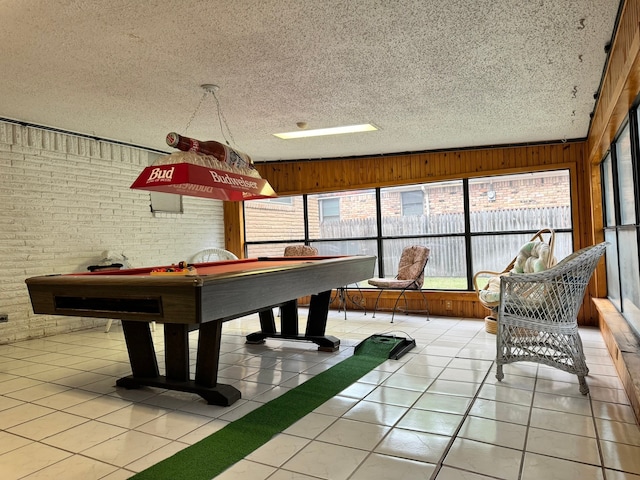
pixel 537 316
pixel 413 261
pixel 212 255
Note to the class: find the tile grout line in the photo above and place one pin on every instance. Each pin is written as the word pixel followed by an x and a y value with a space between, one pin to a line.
pixel 457 431
pixel 595 428
pixel 526 433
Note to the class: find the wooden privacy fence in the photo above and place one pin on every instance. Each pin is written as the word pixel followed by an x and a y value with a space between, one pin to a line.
pixel 447 258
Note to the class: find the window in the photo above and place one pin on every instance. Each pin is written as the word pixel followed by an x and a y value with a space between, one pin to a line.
pixel 625 178
pixel 620 190
pixel 166 202
pixel 351 227
pixel 519 206
pixel 439 226
pixel 412 203
pixel 329 210
pixel 273 225
pixel 280 200
pixel 465 228
pixel 610 233
pixel 608 193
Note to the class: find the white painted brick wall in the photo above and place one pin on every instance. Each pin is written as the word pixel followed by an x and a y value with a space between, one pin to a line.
pixel 64 200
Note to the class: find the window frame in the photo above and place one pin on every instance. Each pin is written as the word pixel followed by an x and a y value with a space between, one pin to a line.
pixel 623 265
pixel 466 235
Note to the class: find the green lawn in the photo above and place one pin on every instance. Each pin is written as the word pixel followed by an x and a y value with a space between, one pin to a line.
pixel 445 283
pixel 435 283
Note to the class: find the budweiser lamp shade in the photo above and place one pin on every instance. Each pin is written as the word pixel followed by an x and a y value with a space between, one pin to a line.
pixel 200 180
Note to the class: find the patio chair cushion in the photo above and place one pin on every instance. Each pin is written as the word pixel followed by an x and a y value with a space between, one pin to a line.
pixel 390 283
pixel 411 265
pixel 533 257
pixel 410 270
pixel 490 295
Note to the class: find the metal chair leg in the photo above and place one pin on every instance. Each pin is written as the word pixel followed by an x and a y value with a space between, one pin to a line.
pixel 375 307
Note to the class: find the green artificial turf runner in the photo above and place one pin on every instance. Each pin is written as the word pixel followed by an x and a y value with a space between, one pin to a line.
pixel 214 454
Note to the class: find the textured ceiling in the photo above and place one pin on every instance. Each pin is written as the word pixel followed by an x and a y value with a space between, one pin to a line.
pixel 431 74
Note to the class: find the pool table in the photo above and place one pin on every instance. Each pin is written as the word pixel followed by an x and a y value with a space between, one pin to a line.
pixel 201 299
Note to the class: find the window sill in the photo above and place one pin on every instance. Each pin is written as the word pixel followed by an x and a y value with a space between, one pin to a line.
pixel 624 349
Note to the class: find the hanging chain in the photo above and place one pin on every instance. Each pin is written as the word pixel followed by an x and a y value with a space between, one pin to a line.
pixel 221 119
pixel 193 115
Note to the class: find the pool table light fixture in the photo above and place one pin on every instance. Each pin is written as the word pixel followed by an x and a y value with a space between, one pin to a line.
pixel 365 127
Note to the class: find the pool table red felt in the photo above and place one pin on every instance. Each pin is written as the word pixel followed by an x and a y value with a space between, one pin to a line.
pixel 222 267
pixel 219 291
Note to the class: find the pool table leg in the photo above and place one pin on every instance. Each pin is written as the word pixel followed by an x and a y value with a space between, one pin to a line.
pixel 144 364
pixel 142 355
pixel 267 322
pixel 289 319
pixel 208 354
pixel 207 363
pixel 176 351
pixel 316 323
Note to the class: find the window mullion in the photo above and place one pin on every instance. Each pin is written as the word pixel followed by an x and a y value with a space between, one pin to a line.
pixel 379 233
pixel 467 232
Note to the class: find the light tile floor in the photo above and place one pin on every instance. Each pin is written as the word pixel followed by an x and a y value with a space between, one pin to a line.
pixel 437 413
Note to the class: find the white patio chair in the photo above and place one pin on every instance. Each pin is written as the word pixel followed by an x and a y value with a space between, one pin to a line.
pixel 212 255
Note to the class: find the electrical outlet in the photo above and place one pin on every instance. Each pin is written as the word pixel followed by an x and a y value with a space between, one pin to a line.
pixel 448 305
pixel 4 317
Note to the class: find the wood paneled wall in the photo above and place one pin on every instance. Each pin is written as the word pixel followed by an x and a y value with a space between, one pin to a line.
pixel 234 228
pixel 314 176
pixel 620 88
pixel 620 85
